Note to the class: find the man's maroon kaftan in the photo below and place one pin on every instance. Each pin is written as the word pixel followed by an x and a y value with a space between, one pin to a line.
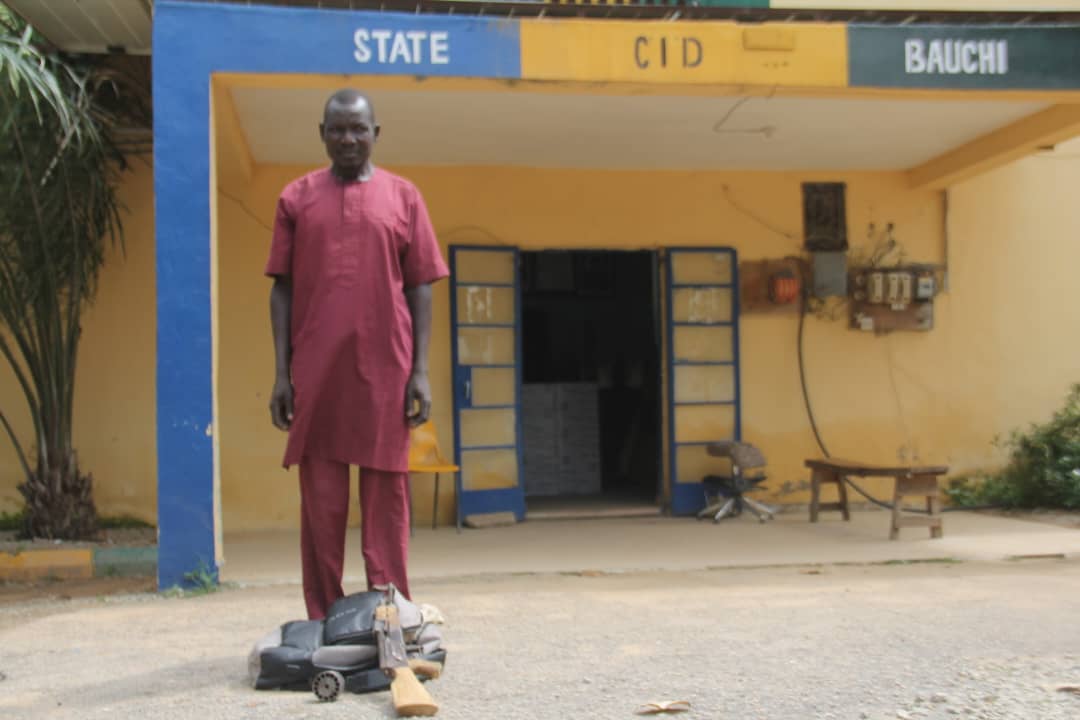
pixel 351 248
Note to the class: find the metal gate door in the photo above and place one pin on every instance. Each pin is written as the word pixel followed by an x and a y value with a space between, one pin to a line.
pixel 703 365
pixel 486 347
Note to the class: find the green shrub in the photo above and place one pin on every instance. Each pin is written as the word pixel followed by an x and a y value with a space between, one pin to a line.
pixel 1043 468
pixel 12 520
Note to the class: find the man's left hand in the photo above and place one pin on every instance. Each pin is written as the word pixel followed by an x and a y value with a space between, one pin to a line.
pixel 418 399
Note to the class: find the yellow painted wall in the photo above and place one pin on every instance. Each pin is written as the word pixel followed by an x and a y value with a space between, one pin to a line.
pixel 1002 353
pixel 938 396
pixel 115 421
pixel 1014 255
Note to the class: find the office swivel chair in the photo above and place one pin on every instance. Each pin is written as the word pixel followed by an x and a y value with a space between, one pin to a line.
pixel 724 494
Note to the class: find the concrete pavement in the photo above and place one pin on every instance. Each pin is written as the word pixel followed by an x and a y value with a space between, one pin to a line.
pixel 580 545
pixel 987 641
pixel 660 543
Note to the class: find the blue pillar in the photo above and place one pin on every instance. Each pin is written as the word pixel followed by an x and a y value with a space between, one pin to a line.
pixel 184 352
pixel 192 41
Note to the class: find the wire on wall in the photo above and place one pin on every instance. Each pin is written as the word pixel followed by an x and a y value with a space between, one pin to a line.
pixel 810 407
pixel 802 375
pixel 758 218
pixel 719 125
pixel 896 392
pixel 817 432
pixel 247 211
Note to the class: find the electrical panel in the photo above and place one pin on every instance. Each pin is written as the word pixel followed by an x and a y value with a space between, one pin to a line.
pixel 925 287
pixel 885 299
pixel 825 217
pixel 772 286
pixel 876 285
pixel 830 274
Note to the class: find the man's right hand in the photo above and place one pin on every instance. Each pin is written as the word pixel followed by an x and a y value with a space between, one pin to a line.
pixel 281 404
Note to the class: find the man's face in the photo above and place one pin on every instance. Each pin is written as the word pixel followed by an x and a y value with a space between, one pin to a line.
pixel 349 133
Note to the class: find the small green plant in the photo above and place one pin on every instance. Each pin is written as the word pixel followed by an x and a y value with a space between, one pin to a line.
pixel 12 521
pixel 983 490
pixel 203 579
pixel 1043 468
pixel 964 491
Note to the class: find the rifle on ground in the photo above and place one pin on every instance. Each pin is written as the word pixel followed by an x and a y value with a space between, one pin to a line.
pixel 410 697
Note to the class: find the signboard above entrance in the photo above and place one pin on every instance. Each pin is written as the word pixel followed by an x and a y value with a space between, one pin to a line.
pixel 703 53
pixel 821 55
pixel 965 57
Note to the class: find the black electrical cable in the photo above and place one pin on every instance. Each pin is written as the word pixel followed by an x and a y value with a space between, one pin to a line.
pixel 810 408
pixel 821 442
pixel 802 378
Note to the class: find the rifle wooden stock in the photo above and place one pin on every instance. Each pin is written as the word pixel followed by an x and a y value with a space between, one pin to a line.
pixel 411 699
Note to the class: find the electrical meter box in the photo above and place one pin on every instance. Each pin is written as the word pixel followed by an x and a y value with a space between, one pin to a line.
pixel 925 287
pixel 830 274
pixel 886 299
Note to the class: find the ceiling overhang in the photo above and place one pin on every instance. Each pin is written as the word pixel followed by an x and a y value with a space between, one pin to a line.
pixel 937 141
pixel 91 26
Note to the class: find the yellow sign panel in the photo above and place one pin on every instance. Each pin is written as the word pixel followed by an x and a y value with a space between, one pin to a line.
pixel 684 52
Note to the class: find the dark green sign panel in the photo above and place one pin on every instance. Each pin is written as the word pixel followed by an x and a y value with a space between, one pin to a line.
pixel 965 57
pixel 683 3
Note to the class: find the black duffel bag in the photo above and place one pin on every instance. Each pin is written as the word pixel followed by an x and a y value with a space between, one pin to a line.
pixel 293 654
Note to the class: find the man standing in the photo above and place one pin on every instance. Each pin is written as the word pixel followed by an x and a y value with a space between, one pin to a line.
pixel 353 257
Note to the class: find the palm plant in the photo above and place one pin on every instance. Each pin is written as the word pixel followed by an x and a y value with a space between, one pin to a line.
pixel 59 213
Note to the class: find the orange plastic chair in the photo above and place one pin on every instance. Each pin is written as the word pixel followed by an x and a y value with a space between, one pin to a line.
pixel 425 457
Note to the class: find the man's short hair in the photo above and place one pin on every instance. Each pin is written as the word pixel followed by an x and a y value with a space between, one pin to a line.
pixel 346 97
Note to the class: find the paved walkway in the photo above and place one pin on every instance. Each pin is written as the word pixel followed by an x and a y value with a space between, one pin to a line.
pixel 985 641
pixel 645 544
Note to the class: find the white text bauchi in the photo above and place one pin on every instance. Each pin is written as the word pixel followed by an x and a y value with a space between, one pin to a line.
pixel 956 57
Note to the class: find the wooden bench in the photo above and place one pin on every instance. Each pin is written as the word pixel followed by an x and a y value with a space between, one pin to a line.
pixel 919 481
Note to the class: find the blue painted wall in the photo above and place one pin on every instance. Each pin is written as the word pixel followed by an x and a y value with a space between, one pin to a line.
pixel 192 41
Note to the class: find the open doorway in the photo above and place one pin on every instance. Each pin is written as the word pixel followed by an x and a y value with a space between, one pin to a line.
pixel 590 399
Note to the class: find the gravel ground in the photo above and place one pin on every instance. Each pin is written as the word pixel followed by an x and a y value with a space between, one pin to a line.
pixel 931 641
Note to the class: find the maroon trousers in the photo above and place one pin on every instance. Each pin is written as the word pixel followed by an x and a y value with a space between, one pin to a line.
pixel 324 513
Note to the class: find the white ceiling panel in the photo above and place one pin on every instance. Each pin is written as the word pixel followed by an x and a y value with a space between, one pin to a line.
pixel 91 26
pixel 629 132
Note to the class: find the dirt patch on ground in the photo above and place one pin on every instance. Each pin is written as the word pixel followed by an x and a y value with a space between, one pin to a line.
pixel 17 592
